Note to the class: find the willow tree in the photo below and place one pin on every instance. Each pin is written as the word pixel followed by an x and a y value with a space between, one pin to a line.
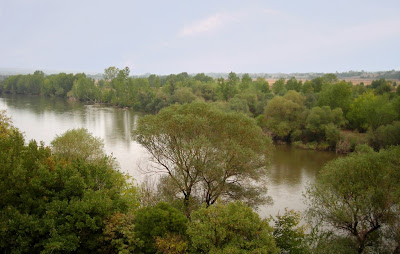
pixel 207 154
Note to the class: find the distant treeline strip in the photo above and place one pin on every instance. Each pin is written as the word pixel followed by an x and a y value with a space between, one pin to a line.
pixel 320 113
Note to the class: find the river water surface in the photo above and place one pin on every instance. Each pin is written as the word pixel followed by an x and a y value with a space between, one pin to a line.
pixel 43 118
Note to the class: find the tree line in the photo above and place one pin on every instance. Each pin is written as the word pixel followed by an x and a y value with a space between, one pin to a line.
pixel 322 113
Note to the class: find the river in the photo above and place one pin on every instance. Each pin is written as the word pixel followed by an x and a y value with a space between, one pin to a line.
pixel 43 118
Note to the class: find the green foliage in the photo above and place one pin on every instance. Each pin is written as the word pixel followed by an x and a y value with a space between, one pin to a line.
pixel 373 106
pixel 324 123
pixel 84 89
pixel 359 89
pixel 246 82
pixel 154 80
pixel 338 95
pixel 332 134
pixel 239 105
pixel 279 87
pixel 385 136
pixel 307 88
pixel 25 84
pixel 286 114
pixel 6 127
pixel 381 86
pixel 171 244
pixel 370 111
pixel 70 199
pixel 50 205
pixel 228 88
pixel 330 78
pixel 261 85
pixel 203 78
pixel 349 140
pixel 78 144
pixel 294 96
pixel 360 111
pixel 183 95
pixel 329 243
pixel 123 74
pixel 160 221
pixel 53 85
pixel 317 83
pixel 293 84
pixel 231 228
pixel 289 236
pixel 233 79
pixel 363 148
pixel 250 99
pixel 110 73
pixel 357 195
pixel 221 155
pixel 119 234
pixel 207 91
pixel 296 135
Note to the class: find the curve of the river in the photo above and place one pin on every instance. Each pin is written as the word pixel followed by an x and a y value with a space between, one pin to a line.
pixel 43 118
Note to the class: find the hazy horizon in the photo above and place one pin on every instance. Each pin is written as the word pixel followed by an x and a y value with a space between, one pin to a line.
pixel 165 37
pixel 17 71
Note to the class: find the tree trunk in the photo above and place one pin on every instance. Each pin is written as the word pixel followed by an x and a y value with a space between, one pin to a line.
pixel 186 204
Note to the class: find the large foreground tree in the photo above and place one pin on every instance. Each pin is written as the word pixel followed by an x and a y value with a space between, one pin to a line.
pixel 207 154
pixel 358 197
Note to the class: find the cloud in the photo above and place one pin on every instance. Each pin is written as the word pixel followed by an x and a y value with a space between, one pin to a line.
pixel 211 24
pixel 221 20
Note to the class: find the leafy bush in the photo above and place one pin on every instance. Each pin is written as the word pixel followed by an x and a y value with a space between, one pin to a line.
pixel 385 136
pixel 230 228
pixel 289 236
pixel 348 141
pixel 158 221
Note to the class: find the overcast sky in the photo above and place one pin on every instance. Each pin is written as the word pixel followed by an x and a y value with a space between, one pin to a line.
pixel 165 37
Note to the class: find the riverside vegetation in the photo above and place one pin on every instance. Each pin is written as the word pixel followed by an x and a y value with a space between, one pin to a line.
pixel 70 197
pixel 322 113
pixel 212 158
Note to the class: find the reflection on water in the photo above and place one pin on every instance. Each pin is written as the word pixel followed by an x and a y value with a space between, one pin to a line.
pixel 43 118
pixel 290 171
